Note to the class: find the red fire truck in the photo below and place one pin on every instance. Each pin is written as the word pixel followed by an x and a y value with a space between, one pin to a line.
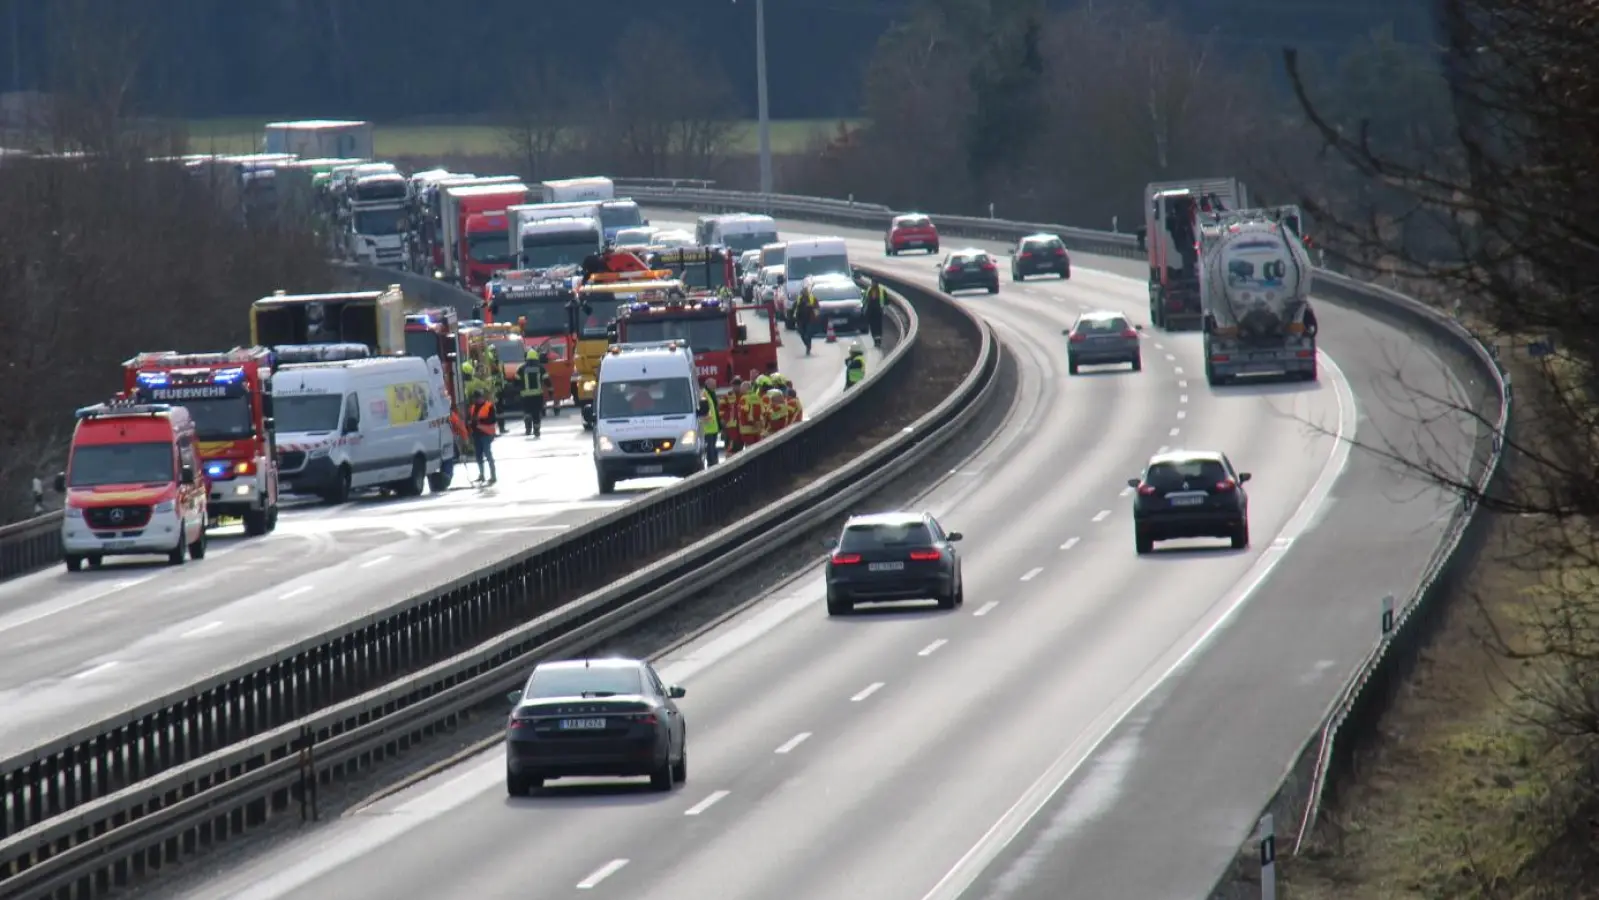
pixel 710 325
pixel 703 270
pixel 545 306
pixel 229 397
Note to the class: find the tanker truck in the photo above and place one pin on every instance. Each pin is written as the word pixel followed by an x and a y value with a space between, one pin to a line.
pixel 1255 279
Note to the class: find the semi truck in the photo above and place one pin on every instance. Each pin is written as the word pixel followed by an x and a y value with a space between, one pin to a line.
pixel 566 190
pixel 1173 211
pixel 1255 282
pixel 557 243
pixel 475 230
pixel 377 217
pixel 319 138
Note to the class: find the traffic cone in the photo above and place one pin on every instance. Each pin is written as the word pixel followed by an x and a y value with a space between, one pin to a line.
pixel 832 336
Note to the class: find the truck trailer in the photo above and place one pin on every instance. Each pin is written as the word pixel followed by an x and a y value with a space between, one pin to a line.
pixel 1255 282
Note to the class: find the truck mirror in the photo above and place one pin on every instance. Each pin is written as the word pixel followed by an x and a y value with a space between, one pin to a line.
pixel 270 423
pixel 61 482
pixel 186 475
pixel 743 332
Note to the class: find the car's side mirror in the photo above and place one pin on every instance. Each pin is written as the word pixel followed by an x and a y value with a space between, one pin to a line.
pixel 953 536
pixel 514 697
pixel 827 544
pixel 1066 331
pixel 270 423
pixel 1139 326
pixel 186 475
pixel 61 482
pixel 1243 477
pixel 1132 482
pixel 676 692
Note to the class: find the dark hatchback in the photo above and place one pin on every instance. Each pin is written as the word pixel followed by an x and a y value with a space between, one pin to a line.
pixel 595 718
pixel 1039 254
pixel 1190 494
pixel 967 269
pixel 893 556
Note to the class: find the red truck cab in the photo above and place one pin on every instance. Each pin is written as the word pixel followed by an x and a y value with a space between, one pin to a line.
pixel 132 485
pixel 228 398
pixel 485 248
pixel 710 326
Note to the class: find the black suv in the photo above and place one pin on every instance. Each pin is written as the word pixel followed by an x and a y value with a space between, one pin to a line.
pixel 1039 254
pixel 1190 494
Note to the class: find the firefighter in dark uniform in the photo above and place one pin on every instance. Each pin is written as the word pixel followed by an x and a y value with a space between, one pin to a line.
pixel 533 378
pixel 876 299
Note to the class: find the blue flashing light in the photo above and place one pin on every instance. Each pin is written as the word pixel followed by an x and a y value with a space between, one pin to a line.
pixel 711 304
pixel 154 379
pixel 640 307
pixel 228 376
pixel 216 470
pixel 427 321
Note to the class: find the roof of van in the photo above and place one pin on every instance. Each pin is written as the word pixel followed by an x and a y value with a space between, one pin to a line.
pixel 802 243
pixel 364 363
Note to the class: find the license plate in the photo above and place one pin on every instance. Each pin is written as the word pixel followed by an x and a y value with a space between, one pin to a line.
pixel 886 567
pixel 1187 501
pixel 649 470
pixel 582 724
pixel 840 321
pixel 1263 357
pixel 117 545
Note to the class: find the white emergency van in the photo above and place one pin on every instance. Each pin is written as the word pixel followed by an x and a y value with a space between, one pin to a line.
pixel 363 424
pixel 743 232
pixel 809 258
pixel 646 414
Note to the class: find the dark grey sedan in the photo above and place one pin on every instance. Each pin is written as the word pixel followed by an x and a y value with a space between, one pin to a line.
pixel 1103 338
pixel 893 556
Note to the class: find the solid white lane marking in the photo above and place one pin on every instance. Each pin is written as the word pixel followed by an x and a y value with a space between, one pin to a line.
pixel 1102 515
pixel 970 867
pixel 705 804
pixel 376 562
pixel 1183 399
pixel 86 673
pixel 600 874
pixel 1174 432
pixel 1070 543
pixel 932 648
pixel 444 534
pixel 871 689
pixel 209 626
pixel 523 528
pixel 1182 414
pixel 303 589
pixel 1032 573
pixel 791 743
pixel 986 608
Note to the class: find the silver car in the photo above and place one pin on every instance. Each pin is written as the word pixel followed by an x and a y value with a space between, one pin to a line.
pixel 1103 338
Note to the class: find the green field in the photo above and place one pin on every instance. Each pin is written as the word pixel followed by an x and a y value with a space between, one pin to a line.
pixel 243 135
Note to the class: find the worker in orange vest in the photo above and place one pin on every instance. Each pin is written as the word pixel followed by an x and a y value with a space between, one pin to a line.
pixel 776 410
pixel 485 420
pixel 751 415
pixel 796 409
pixel 727 405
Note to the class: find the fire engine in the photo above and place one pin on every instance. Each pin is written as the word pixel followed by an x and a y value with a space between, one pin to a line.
pixel 710 325
pixel 229 397
pixel 544 307
pixel 703 270
pixel 602 297
pixel 288 354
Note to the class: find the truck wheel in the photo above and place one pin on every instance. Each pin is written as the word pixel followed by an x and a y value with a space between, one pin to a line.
pixel 412 487
pixel 74 563
pixel 180 555
pixel 607 485
pixel 272 518
pixel 255 522
pixel 197 549
pixel 340 492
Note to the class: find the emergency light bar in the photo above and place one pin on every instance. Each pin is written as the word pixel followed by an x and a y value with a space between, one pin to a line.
pixel 172 359
pixel 303 353
pixel 122 408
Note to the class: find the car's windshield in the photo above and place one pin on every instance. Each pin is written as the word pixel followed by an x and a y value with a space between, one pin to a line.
pixel 879 536
pixel 913 222
pixel 98 464
pixel 598 313
pixel 424 344
pixel 634 237
pixel 1040 246
pixel 740 241
pixel 489 247
pixel 703 335
pixel 646 397
pixel 620 215
pixel 1199 473
pixel 544 316
pixel 969 259
pixel 297 413
pixel 548 251
pixel 570 681
pixel 221 419
pixel 773 256
pixel 802 267
pixel 378 222
pixel 835 292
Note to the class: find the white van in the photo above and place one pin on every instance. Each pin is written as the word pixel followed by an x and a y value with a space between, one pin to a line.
pixel 363 424
pixel 740 233
pixel 808 258
pixel 646 414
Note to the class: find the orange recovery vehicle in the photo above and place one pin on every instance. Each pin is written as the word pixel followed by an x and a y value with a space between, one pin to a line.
pixel 544 307
pixel 228 396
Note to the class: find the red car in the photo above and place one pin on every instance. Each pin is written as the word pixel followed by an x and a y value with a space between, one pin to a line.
pixel 912 231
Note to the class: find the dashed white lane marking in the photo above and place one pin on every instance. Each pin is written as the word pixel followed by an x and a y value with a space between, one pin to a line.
pixel 705 804
pixel 1174 432
pixel 871 689
pixel 1171 357
pixel 1163 449
pixel 302 589
pixel 1181 383
pixel 1032 573
pixel 791 743
pixel 444 534
pixel 1070 543
pixel 600 874
pixel 1181 414
pixel 1159 346
pixel 1102 515
pixel 1178 369
pixel 209 626
pixel 96 670
pixel 1126 491
pixel 376 562
pixel 932 648
pixel 986 608
pixel 1182 398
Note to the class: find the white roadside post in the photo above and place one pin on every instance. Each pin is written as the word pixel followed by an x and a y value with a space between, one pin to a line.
pixel 1268 859
pixel 1387 615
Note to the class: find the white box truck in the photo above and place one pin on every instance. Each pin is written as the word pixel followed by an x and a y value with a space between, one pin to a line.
pixel 320 139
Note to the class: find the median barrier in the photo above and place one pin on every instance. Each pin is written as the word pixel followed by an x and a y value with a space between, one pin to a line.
pixel 1352 719
pixel 395 683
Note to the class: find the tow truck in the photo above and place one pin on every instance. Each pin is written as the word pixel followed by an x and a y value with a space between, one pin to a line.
pixel 373 318
pixel 544 308
pixel 704 270
pixel 599 300
pixel 229 397
pixel 709 325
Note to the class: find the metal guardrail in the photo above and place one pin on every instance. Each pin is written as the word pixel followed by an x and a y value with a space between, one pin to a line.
pixel 1353 717
pixel 105 842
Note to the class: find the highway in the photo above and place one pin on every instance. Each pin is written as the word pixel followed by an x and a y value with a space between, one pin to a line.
pixel 79 647
pixel 1091 724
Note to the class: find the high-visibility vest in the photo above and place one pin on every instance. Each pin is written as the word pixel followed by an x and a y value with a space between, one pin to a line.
pixel 727 410
pixel 854 369
pixel 777 415
pixel 751 416
pixel 796 410
pixel 532 379
pixel 484 417
pixel 875 296
pixel 710 423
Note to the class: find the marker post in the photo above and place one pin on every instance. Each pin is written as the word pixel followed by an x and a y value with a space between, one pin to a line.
pixel 1268 858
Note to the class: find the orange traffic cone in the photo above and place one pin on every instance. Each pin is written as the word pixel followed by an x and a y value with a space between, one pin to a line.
pixel 832 336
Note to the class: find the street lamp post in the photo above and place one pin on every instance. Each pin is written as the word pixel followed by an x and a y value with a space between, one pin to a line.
pixel 765 120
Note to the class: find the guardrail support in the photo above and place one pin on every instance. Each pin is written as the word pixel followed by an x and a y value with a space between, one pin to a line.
pixel 1268 858
pixel 306 746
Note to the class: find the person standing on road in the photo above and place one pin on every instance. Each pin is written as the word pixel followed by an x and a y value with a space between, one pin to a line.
pixel 876 298
pixel 485 423
pixel 805 315
pixel 854 365
pixel 727 406
pixel 751 415
pixel 711 422
pixel 533 379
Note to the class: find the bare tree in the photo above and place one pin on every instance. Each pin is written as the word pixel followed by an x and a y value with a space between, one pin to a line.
pixel 543 110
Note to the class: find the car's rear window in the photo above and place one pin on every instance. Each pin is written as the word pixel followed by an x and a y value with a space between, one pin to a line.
pixel 570 681
pixel 913 222
pixel 964 258
pixel 1041 244
pixel 1167 475
pixel 876 537
pixel 1102 326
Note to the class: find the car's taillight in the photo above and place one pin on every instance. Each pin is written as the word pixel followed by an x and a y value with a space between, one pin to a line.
pixel 1077 338
pixel 1146 490
pixel 1129 332
pixel 926 556
pixel 1306 354
pixel 1225 485
pixel 1219 357
pixel 515 723
pixel 1026 254
pixel 989 266
pixel 644 719
pixel 1060 251
pixel 846 559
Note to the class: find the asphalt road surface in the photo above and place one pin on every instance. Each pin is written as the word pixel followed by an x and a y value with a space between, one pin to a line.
pixel 1091 724
pixel 79 647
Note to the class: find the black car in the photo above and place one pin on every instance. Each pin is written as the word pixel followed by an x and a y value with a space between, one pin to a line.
pixel 1190 494
pixel 1039 254
pixel 966 269
pixel 893 556
pixel 595 717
